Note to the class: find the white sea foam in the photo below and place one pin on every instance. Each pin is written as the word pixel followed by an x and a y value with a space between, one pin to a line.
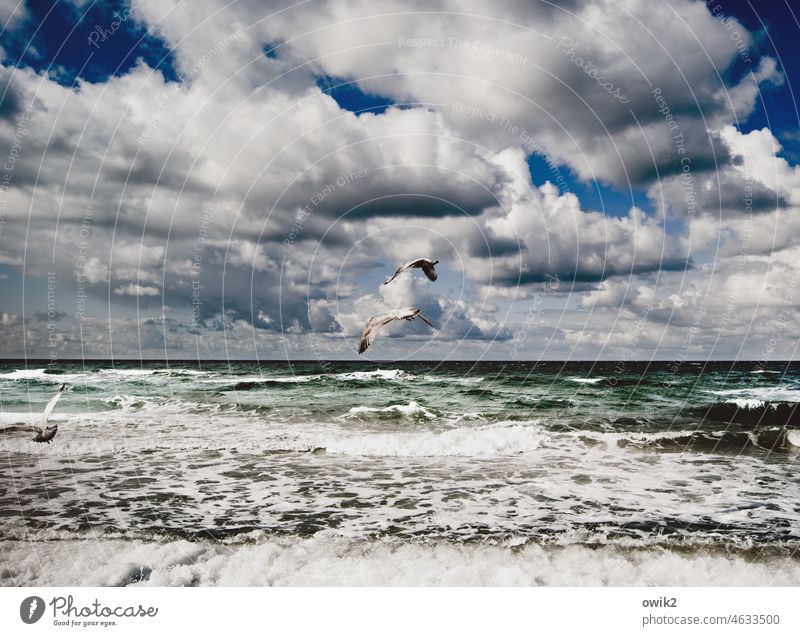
pixel 41 375
pixel 485 441
pixel 29 417
pixel 614 438
pixel 410 409
pixel 380 374
pixel 291 379
pixel 438 379
pixel 747 403
pixel 134 372
pixel 764 394
pixel 23 374
pixel 586 380
pixel 322 561
pixel 793 437
pixel 107 375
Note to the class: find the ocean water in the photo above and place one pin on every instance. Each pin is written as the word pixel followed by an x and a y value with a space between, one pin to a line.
pixel 402 473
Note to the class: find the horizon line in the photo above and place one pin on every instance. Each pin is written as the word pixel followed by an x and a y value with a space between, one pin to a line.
pixel 48 361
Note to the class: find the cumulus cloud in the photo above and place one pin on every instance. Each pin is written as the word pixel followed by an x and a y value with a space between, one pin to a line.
pixel 136 290
pixel 251 200
pixel 455 318
pixel 12 12
pixel 542 234
pixel 578 80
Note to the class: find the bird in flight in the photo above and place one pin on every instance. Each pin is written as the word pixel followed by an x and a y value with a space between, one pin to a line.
pixel 44 433
pixel 376 322
pixel 425 264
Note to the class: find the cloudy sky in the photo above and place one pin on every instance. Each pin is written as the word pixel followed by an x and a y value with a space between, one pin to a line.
pixel 616 179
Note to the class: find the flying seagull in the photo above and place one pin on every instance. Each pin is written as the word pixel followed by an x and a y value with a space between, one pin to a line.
pixel 376 322
pixel 425 264
pixel 44 433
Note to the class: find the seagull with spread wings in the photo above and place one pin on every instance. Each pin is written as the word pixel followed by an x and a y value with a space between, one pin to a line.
pixel 376 322
pixel 425 264
pixel 44 433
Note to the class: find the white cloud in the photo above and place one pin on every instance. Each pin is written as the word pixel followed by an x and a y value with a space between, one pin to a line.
pixel 248 185
pixel 12 12
pixel 136 290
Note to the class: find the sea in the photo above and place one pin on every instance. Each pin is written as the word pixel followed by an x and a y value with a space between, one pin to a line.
pixel 410 473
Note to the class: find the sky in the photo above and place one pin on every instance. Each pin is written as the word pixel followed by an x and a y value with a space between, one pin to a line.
pixel 609 180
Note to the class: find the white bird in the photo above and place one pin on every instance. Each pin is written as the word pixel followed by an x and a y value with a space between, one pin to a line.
pixel 376 322
pixel 44 433
pixel 425 264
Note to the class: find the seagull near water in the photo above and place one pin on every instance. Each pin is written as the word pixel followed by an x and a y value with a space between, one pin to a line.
pixel 376 322
pixel 44 433
pixel 425 264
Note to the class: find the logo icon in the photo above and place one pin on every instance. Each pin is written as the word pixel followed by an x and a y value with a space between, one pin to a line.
pixel 31 609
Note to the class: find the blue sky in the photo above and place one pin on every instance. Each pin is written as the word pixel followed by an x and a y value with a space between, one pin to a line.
pixel 81 42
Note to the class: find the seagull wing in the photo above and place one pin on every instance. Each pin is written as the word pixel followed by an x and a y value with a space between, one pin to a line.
pixel 371 329
pixel 52 404
pixel 426 320
pixel 427 267
pixel 403 268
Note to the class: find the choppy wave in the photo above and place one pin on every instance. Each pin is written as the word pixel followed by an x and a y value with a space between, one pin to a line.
pixel 42 375
pixel 377 377
pixel 326 562
pixel 764 394
pixel 23 374
pixel 750 411
pixel 446 379
pixel 493 440
pixel 412 409
pixel 379 374
pixel 542 473
pixel 726 442
pixel 586 380
pixel 747 403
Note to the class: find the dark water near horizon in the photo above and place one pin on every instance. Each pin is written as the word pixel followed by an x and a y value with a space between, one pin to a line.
pixel 249 463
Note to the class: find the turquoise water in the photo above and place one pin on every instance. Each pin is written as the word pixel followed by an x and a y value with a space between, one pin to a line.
pixel 479 457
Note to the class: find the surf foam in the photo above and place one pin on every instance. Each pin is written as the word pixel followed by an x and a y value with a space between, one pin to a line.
pixel 328 562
